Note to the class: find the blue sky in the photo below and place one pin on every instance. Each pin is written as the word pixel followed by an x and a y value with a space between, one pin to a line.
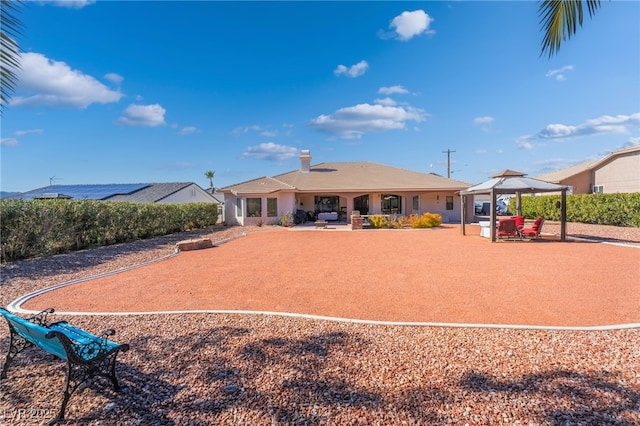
pixel 128 92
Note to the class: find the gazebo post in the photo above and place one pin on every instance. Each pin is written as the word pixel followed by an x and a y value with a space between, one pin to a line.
pixel 518 203
pixel 492 216
pixel 463 205
pixel 563 216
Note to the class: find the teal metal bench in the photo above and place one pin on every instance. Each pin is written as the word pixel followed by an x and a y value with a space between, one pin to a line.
pixel 87 355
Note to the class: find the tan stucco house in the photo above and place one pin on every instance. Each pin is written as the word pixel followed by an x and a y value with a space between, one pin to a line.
pixel 337 189
pixel 617 172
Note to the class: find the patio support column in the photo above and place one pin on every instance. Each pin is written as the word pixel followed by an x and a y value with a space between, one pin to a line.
pixel 349 198
pixel 563 216
pixel 518 203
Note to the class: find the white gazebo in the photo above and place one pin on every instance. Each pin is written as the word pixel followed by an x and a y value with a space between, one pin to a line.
pixel 512 182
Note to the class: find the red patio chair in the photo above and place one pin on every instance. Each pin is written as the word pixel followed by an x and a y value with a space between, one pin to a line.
pixel 519 223
pixel 534 231
pixel 507 228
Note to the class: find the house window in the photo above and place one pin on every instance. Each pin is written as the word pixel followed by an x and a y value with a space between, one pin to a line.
pixel 449 202
pixel 272 207
pixel 239 207
pixel 327 203
pixel 598 189
pixel 391 204
pixel 416 203
pixel 254 207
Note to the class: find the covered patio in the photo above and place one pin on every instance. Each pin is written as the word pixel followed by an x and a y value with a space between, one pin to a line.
pixel 513 182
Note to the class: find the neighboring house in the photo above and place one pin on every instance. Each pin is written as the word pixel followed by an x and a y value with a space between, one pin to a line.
pixel 342 187
pixel 6 194
pixel 161 193
pixel 617 172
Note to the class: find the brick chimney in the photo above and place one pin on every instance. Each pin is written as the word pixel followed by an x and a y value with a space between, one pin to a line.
pixel 305 161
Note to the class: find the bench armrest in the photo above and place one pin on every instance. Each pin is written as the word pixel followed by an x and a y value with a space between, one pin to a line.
pixel 41 317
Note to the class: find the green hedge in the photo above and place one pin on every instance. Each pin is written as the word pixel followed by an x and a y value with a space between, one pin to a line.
pixel 602 209
pixel 45 227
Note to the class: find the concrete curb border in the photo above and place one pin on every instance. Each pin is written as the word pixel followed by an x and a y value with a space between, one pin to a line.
pixel 15 306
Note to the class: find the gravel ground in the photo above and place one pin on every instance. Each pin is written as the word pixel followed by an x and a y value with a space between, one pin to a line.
pixel 202 369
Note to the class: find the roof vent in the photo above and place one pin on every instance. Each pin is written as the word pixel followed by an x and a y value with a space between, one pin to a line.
pixel 305 161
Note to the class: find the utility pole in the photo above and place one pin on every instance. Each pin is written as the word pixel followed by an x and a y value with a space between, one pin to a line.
pixel 448 152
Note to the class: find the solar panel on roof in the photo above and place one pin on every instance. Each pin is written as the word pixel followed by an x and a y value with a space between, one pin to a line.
pixel 89 192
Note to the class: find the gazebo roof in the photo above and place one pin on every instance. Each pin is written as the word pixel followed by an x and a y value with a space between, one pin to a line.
pixel 508 173
pixel 513 184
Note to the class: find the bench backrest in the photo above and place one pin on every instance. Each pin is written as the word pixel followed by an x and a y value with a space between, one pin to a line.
pixel 35 334
pixel 84 345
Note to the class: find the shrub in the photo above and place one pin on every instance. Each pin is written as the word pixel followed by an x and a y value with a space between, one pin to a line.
pixel 427 220
pixel 603 209
pixel 398 222
pixel 31 228
pixel 378 221
pixel 287 220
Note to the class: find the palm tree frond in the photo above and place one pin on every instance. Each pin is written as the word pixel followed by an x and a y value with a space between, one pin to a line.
pixel 560 20
pixel 10 29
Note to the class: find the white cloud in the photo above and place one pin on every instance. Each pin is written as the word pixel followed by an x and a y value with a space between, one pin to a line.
pixel 246 129
pixel 606 124
pixel 19 133
pixel 54 83
pixel 551 164
pixel 72 4
pixel 27 132
pixel 386 101
pixel 410 24
pixel 263 131
pixel 392 90
pixel 354 70
pixel 524 144
pixel 480 151
pixel 114 78
pixel 558 74
pixel 188 130
pixel 484 123
pixel 270 151
pixel 143 115
pixel 483 120
pixel 353 122
pixel 602 125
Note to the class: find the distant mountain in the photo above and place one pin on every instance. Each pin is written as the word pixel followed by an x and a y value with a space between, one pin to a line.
pixel 4 194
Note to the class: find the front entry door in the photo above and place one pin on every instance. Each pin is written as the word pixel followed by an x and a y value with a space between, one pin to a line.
pixel 361 204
